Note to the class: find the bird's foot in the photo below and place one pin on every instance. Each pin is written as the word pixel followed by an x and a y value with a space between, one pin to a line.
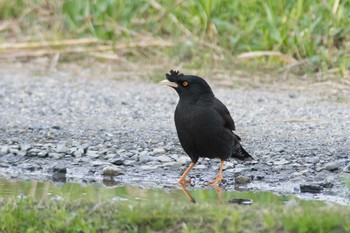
pixel 216 181
pixel 185 181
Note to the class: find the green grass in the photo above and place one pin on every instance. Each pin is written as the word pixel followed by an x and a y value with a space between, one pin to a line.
pixel 90 209
pixel 53 216
pixel 314 33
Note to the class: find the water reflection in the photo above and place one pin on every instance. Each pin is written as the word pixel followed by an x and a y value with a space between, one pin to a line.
pixel 192 199
pixel 41 191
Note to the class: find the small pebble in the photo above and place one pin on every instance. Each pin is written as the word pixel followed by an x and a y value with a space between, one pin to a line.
pixel 99 163
pixel 200 166
pixel 281 162
pixel 292 95
pixel 26 147
pixel 144 157
pixel 312 160
pixel 241 201
pixel 241 180
pixel 4 150
pixel 79 152
pixel 164 159
pixel 148 167
pixel 57 198
pixel 310 188
pixel 42 154
pixel 93 154
pixel 129 162
pixel 55 155
pixel 22 196
pixel 111 171
pixel 347 168
pixel 183 160
pixel 61 149
pixel 159 151
pixel 332 166
pixel 119 199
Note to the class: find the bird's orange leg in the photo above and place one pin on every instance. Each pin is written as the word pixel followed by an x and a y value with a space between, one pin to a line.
pixel 218 191
pixel 187 193
pixel 219 176
pixel 182 182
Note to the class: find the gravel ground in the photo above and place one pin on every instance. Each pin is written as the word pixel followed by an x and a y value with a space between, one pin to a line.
pixel 71 128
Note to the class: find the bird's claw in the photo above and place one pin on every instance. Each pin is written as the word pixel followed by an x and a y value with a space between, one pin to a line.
pixel 190 181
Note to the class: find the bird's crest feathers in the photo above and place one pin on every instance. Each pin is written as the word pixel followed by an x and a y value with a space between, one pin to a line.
pixel 173 75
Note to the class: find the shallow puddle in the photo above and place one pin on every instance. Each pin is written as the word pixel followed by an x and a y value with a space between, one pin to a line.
pixel 41 191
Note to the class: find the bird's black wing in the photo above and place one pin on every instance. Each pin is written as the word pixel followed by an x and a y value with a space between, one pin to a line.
pixel 225 114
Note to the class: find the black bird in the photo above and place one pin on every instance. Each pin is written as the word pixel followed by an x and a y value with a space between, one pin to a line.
pixel 203 123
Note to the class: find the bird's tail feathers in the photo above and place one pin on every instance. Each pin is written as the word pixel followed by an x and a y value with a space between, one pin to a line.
pixel 244 156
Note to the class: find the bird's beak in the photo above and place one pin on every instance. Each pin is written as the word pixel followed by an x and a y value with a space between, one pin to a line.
pixel 168 83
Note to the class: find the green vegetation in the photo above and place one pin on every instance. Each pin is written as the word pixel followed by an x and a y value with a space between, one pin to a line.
pixel 307 35
pixel 76 208
pixel 54 216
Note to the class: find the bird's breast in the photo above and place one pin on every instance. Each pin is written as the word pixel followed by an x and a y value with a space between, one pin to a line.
pixel 201 132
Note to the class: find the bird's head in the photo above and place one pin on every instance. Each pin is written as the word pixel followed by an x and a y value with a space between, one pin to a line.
pixel 187 85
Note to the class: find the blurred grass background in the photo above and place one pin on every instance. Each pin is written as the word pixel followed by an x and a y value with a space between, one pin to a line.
pixel 306 36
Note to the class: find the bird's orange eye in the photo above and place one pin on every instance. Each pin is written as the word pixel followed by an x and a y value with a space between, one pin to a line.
pixel 185 84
